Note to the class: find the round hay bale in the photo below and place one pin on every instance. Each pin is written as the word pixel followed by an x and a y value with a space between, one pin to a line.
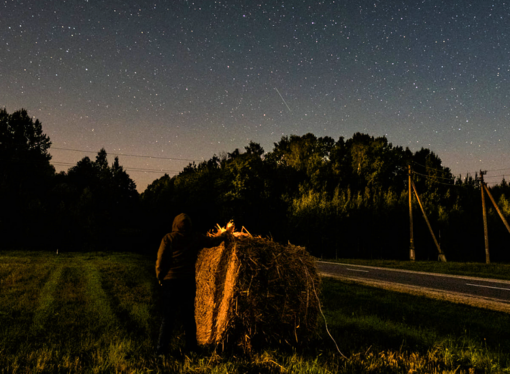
pixel 252 291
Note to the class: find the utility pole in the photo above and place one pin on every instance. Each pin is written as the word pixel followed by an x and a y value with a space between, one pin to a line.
pixel 441 256
pixel 412 256
pixel 485 228
pixel 497 208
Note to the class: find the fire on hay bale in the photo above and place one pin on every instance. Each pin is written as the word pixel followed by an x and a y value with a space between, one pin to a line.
pixel 253 291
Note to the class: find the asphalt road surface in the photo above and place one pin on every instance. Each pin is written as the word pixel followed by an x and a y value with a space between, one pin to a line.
pixel 480 292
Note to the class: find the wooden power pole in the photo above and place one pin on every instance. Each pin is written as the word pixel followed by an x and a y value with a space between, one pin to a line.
pixel 441 256
pixel 497 208
pixel 412 256
pixel 484 211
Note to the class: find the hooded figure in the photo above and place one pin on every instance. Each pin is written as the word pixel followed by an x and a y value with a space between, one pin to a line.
pixel 175 270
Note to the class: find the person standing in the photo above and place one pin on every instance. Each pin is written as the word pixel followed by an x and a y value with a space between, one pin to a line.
pixel 175 271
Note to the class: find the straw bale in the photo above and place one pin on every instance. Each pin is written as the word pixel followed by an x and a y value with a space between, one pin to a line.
pixel 252 291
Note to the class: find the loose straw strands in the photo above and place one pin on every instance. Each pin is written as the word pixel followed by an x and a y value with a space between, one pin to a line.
pixel 252 291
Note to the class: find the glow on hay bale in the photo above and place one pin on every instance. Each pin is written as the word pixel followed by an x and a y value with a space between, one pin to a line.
pixel 253 291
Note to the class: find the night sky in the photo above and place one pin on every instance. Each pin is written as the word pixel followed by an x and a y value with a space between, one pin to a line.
pixel 184 80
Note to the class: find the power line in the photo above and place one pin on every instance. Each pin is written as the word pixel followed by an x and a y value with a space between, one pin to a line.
pixel 453 184
pixel 428 167
pixel 432 176
pixel 152 170
pixel 448 184
pixel 467 172
pixel 133 169
pixel 147 171
pixel 442 170
pixel 498 169
pixel 494 176
pixel 58 163
pixel 127 155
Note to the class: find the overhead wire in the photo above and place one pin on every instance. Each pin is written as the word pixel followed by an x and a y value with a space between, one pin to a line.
pixel 149 170
pixel 494 176
pixel 128 155
pixel 130 169
pixel 196 160
pixel 428 167
pixel 498 169
pixel 437 182
pixel 126 168
pixel 467 172
pixel 431 176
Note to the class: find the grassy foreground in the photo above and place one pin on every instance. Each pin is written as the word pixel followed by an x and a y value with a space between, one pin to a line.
pixel 97 312
pixel 472 269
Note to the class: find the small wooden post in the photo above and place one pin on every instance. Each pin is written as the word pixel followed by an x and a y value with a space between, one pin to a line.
pixel 497 208
pixel 485 228
pixel 412 256
pixel 442 257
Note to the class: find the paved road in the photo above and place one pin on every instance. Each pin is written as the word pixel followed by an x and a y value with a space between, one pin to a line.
pixel 492 294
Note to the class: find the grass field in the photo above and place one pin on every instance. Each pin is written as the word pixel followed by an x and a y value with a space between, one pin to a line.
pixel 472 269
pixel 97 312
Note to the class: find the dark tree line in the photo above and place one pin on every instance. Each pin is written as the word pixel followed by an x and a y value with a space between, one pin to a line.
pixel 93 205
pixel 344 198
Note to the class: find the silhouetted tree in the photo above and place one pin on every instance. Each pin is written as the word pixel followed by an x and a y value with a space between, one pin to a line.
pixel 101 200
pixel 25 179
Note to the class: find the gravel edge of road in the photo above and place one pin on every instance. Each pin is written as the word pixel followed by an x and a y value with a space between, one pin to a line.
pixel 459 298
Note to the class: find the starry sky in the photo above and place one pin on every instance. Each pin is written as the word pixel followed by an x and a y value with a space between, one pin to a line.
pixel 183 80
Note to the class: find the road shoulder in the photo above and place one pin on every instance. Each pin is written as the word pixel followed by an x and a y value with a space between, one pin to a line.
pixel 479 302
pixel 468 277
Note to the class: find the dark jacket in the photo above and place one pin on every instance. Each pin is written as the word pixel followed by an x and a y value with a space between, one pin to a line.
pixel 178 251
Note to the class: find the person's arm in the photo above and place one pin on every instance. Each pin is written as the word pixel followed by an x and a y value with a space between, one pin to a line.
pixel 164 260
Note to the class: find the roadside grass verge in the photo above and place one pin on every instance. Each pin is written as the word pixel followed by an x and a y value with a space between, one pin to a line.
pixel 97 313
pixel 374 320
pixel 472 269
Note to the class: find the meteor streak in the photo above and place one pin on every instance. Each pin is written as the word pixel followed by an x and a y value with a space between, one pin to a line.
pixel 283 99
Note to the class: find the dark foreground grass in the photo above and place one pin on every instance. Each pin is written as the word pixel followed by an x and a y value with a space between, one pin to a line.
pixel 472 269
pixel 97 313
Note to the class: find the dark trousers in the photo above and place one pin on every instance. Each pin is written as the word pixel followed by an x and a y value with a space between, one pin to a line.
pixel 178 294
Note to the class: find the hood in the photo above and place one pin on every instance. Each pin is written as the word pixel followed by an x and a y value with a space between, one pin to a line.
pixel 182 223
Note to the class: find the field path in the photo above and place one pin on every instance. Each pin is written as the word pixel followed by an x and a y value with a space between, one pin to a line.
pixel 47 298
pixel 480 292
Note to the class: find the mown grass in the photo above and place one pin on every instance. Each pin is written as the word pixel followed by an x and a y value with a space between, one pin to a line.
pixel 97 313
pixel 472 269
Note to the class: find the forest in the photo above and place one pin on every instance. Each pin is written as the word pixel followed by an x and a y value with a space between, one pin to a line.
pixel 343 198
